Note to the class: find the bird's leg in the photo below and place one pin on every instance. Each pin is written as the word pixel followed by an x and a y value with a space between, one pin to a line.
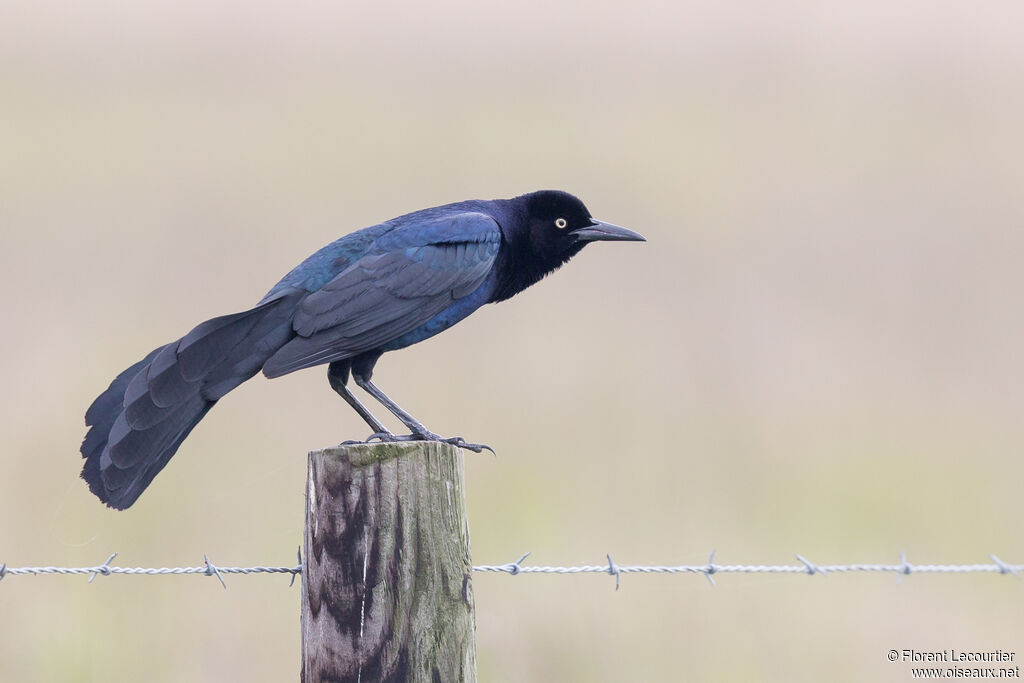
pixel 408 420
pixel 337 375
pixel 419 432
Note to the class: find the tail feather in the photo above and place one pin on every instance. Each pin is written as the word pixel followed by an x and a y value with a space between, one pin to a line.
pixel 138 423
pixel 130 447
pixel 264 340
pixel 206 347
pixel 141 411
pixel 123 487
pixel 167 386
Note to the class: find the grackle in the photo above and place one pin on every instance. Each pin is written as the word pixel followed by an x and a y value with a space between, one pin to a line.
pixel 377 289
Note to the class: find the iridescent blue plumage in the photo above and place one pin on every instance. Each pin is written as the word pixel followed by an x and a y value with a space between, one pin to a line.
pixel 375 290
pixel 387 295
pixel 409 230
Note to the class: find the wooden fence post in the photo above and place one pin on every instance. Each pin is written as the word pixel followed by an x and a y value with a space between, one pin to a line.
pixel 387 589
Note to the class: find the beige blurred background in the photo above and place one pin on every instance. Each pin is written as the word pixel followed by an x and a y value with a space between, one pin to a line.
pixel 818 351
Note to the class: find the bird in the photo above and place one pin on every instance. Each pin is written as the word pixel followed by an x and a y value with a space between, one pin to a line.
pixel 375 290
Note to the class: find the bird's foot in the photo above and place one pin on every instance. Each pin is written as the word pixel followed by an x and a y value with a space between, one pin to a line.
pixel 456 441
pixel 380 437
pixel 388 437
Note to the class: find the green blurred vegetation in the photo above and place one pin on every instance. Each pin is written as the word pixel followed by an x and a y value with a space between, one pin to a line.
pixel 817 351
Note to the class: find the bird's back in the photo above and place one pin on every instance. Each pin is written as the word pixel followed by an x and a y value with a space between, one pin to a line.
pixel 412 229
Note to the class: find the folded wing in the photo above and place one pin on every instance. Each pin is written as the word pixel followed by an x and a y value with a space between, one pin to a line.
pixel 414 274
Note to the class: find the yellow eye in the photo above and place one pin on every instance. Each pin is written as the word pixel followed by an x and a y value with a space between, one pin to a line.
pixel 561 223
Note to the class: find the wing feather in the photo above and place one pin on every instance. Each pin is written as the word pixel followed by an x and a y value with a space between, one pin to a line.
pixel 391 291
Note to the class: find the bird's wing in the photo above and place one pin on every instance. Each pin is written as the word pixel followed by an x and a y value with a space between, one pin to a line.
pixel 410 275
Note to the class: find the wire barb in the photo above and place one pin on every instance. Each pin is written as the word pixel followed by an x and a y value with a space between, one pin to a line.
pixel 211 570
pixel 812 568
pixel 905 569
pixel 614 570
pixel 104 568
pixel 3 571
pixel 514 568
pixel 710 569
pixel 1003 567
pixel 298 568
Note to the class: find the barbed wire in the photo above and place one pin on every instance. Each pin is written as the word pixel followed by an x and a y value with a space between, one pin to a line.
pixel 105 569
pixel 708 570
pixel 711 568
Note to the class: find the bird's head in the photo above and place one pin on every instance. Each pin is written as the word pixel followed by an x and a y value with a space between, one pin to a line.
pixel 549 228
pixel 560 225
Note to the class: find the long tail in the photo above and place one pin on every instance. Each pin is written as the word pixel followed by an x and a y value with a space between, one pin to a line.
pixel 138 423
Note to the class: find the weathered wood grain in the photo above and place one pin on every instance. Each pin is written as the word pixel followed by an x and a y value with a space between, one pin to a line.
pixel 387 592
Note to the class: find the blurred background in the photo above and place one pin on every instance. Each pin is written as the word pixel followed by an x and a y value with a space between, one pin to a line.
pixel 818 351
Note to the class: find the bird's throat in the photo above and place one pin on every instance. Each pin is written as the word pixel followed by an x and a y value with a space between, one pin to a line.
pixel 518 268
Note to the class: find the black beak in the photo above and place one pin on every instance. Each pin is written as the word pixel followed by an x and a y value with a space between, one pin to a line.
pixel 607 232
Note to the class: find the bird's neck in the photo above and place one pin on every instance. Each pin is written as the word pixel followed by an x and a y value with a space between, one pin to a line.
pixel 519 265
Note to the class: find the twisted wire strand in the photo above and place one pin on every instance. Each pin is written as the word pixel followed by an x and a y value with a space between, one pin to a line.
pixel 755 569
pixel 708 569
pixel 150 571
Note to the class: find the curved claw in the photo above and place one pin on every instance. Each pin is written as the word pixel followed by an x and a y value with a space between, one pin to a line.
pixel 459 442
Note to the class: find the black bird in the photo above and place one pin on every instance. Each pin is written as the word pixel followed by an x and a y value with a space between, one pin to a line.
pixel 377 289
